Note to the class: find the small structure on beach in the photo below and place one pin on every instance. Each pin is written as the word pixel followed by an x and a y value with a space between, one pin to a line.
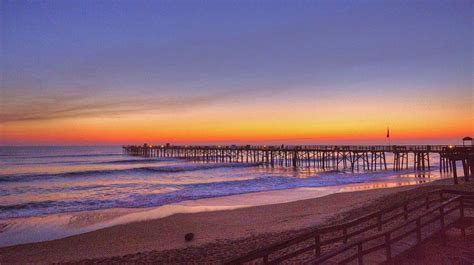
pixel 467 139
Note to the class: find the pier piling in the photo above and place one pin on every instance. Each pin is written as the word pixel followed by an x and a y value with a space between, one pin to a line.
pixel 322 157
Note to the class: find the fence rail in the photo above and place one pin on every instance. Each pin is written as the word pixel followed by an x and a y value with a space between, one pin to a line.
pixel 348 230
pixel 455 203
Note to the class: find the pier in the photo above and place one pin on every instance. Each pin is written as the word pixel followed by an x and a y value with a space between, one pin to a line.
pixel 323 157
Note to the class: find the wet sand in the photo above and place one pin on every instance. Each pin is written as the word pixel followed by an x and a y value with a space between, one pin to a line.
pixel 217 232
pixel 209 228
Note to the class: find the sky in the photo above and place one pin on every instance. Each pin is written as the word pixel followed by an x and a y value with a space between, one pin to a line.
pixel 121 72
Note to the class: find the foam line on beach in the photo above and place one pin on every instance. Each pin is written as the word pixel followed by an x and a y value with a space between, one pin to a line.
pixel 155 169
pixel 50 227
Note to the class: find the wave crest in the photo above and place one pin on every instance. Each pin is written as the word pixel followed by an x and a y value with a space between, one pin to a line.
pixel 94 173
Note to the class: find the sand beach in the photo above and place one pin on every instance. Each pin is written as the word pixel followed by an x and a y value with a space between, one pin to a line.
pixel 219 234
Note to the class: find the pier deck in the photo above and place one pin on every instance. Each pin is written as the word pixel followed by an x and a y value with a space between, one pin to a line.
pixel 325 157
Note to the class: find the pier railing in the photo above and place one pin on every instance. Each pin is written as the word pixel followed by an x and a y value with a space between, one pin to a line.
pixel 320 238
pixel 362 148
pixel 333 157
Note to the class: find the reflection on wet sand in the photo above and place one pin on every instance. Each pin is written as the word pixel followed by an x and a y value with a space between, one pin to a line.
pixel 42 228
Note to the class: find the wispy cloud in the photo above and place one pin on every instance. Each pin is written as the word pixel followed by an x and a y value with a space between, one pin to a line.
pixel 64 107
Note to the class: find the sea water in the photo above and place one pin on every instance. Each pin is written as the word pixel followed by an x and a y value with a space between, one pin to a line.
pixel 37 181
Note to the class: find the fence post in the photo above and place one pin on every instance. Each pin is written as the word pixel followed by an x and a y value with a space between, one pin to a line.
pixel 317 244
pixel 418 230
pixel 441 213
pixel 388 247
pixel 405 210
pixel 461 213
pixel 344 233
pixel 359 254
pixel 427 201
pixel 379 221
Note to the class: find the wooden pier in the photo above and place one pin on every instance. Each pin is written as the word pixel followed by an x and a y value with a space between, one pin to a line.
pixel 323 157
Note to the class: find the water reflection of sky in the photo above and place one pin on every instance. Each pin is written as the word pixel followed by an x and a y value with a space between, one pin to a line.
pixel 57 180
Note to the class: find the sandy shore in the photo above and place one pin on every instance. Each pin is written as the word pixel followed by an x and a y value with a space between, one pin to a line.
pixel 216 227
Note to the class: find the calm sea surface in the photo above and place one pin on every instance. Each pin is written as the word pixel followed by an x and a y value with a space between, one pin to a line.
pixel 44 180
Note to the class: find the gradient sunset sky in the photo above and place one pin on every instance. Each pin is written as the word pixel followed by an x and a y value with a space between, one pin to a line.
pixel 120 72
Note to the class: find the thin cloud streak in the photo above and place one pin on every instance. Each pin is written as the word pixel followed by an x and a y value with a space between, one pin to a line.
pixel 87 107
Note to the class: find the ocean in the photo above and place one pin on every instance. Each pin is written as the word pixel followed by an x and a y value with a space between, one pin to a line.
pixel 38 181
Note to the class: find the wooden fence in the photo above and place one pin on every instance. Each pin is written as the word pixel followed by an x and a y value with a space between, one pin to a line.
pixel 387 239
pixel 375 221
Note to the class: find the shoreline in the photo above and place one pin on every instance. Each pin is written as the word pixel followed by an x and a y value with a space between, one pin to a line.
pixel 25 230
pixel 167 234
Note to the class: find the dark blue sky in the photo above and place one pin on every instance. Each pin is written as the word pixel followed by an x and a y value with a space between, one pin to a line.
pixel 76 59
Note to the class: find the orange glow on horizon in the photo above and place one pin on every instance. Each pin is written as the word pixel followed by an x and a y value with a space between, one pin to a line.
pixel 253 123
pixel 102 135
